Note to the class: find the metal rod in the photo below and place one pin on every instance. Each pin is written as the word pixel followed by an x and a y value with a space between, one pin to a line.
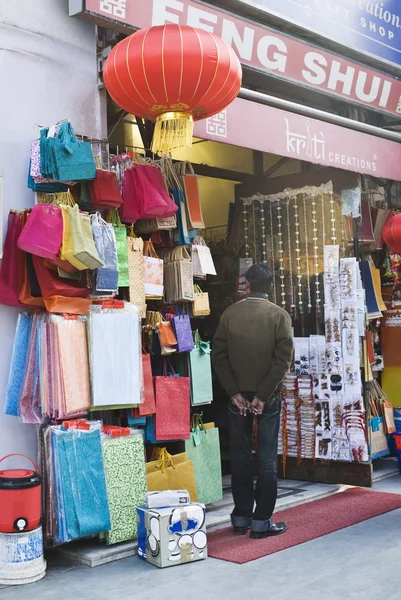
pixel 315 113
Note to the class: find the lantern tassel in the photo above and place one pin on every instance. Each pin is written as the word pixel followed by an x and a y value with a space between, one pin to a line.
pixel 172 130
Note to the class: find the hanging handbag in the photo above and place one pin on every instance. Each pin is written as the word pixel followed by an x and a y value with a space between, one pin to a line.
pixel 122 251
pixel 28 296
pixel 52 285
pixel 201 373
pixel 202 261
pixel 148 406
pixel 168 341
pixel 191 189
pixel 172 421
pixel 200 305
pixel 67 251
pixel 12 265
pixel 104 190
pixel 183 332
pixel 203 448
pixel 153 272
pixel 179 285
pixel 155 180
pixel 82 239
pixel 129 211
pixel 105 243
pixel 43 232
pixel 151 201
pixel 136 268
pixel 63 158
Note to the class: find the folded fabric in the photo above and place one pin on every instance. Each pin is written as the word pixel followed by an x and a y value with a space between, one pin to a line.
pixel 18 365
pixel 83 484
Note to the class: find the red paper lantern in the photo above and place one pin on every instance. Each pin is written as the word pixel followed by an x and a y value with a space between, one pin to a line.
pixel 392 233
pixel 173 74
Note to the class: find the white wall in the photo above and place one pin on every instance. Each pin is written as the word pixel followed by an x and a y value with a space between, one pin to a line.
pixel 48 72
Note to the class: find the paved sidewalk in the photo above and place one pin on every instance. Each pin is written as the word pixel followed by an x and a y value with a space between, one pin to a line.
pixel 358 562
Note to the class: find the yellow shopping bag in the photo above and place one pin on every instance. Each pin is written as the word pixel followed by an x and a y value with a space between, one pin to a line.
pixel 172 473
pixel 67 247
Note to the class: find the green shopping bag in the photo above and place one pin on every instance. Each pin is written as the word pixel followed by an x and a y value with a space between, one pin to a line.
pixel 203 449
pixel 122 249
pixel 201 373
pixel 82 238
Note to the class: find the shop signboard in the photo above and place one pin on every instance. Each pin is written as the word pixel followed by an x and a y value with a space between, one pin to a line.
pixel 370 26
pixel 287 134
pixel 259 48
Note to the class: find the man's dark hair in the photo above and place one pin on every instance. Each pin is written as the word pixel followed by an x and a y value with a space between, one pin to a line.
pixel 260 278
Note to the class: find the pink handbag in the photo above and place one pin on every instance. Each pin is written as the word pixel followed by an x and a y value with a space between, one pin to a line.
pixel 151 202
pixel 156 180
pixel 42 234
pixel 129 211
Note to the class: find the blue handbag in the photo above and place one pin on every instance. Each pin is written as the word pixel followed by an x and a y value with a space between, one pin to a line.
pixel 64 158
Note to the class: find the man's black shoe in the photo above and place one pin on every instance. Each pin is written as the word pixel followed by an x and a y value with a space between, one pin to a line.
pixel 276 529
pixel 240 530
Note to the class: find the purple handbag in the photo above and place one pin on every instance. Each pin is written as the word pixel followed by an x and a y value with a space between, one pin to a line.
pixel 183 333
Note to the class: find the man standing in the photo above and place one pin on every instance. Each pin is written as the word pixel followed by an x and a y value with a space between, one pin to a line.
pixel 252 352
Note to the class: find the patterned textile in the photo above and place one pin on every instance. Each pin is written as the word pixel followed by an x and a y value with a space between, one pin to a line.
pixel 82 483
pixel 74 366
pixel 204 450
pixel 124 462
pixel 18 364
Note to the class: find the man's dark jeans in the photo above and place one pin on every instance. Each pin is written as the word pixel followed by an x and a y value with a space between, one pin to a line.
pixel 244 493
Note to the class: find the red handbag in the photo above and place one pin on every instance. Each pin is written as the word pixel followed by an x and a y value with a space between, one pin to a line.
pixel 150 201
pixel 155 179
pixel 173 413
pixel 53 285
pixel 148 406
pixel 104 190
pixel 13 263
pixel 129 211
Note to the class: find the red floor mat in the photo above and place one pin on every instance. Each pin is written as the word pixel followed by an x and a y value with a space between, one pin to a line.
pixel 305 522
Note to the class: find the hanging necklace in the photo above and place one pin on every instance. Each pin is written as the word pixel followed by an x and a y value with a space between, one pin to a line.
pixel 292 300
pixel 272 243
pixel 307 256
pixel 323 221
pixel 315 254
pixel 263 224
pixel 255 249
pixel 298 257
pixel 245 213
pixel 332 220
pixel 281 252
pixel 343 245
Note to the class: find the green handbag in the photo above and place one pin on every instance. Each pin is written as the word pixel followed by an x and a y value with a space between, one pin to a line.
pixel 203 449
pixel 200 365
pixel 82 239
pixel 122 248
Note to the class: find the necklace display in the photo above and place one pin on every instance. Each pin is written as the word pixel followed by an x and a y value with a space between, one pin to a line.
pixel 292 299
pixel 333 221
pixel 315 254
pixel 323 221
pixel 272 247
pixel 281 257
pixel 263 225
pixel 246 239
pixel 298 258
pixel 307 256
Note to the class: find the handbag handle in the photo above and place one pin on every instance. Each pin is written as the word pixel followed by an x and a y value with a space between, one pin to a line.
pixel 149 250
pixel 113 217
pixel 165 361
pixel 23 456
pixel 164 457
